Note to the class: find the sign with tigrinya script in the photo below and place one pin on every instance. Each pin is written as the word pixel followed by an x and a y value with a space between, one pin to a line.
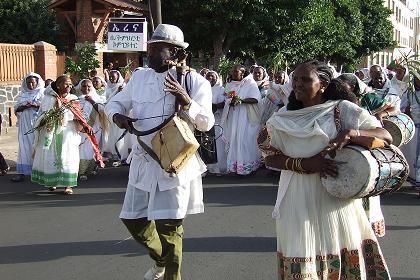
pixel 127 34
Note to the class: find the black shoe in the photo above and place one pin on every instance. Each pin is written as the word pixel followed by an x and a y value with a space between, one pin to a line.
pixel 18 178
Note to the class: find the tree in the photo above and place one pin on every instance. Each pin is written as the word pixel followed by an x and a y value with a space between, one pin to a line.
pixel 86 61
pixel 27 22
pixel 378 30
pixel 341 31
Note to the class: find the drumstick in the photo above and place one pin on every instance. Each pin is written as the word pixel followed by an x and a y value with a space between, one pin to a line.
pixel 340 162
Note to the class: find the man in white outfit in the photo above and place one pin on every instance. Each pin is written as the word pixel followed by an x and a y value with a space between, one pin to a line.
pixel 156 202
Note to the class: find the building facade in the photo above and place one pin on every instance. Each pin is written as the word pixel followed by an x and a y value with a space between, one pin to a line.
pixel 405 20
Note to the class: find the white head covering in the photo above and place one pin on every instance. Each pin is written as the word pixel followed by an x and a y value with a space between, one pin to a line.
pixel 112 88
pixel 265 75
pixel 93 92
pixel 218 80
pixel 26 95
pixel 104 83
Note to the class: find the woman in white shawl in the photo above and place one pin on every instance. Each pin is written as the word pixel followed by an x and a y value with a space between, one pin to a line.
pixel 412 149
pixel 56 145
pixel 100 86
pixel 275 96
pixel 93 111
pixel 218 100
pixel 26 110
pixel 261 78
pixel 320 236
pixel 113 87
pixel 241 122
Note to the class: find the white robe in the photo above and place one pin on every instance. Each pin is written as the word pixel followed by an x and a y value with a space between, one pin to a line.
pixel 26 120
pixel 114 132
pixel 92 117
pixel 218 93
pixel 152 192
pixel 313 227
pixel 56 161
pixel 241 125
pixel 412 149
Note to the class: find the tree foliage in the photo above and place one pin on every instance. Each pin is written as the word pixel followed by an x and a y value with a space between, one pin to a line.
pixel 86 61
pixel 341 31
pixel 27 22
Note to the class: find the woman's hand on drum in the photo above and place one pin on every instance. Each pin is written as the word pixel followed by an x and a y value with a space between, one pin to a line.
pixel 342 139
pixel 320 164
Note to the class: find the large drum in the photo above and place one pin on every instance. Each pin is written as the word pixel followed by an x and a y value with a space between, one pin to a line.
pixel 401 128
pixel 365 173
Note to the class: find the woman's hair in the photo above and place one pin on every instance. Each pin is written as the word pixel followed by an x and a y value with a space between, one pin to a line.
pixel 351 80
pixel 324 73
pixel 336 90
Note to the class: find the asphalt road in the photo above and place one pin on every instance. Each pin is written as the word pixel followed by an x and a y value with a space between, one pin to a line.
pixel 52 236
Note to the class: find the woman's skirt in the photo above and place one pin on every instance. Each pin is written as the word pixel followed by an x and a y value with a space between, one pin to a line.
pixel 323 237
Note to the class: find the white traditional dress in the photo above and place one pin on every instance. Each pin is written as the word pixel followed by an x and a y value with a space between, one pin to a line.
pixel 56 161
pixel 114 132
pixel 102 91
pixel 271 102
pixel 87 162
pixel 26 121
pixel 152 192
pixel 241 125
pixel 320 236
pixel 412 149
pixel 218 93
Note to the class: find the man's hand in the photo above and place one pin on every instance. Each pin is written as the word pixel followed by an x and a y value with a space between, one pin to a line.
pixel 123 122
pixel 174 88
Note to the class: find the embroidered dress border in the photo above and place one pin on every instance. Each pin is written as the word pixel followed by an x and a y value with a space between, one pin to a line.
pixel 51 180
pixel 244 168
pixel 335 267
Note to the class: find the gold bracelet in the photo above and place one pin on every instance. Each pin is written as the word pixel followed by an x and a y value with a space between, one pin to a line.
pixel 287 163
pixel 293 164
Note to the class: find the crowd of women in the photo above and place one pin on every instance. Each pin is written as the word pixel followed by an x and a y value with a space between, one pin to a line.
pixel 63 135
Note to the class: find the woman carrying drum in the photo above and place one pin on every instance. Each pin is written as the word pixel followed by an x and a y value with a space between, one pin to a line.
pixel 316 231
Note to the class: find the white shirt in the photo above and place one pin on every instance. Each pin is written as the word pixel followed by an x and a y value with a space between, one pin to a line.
pixel 144 95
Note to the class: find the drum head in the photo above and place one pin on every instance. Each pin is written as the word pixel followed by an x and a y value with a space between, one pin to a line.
pixel 356 177
pixel 395 131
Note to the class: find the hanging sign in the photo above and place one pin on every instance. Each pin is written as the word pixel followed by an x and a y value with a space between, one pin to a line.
pixel 127 34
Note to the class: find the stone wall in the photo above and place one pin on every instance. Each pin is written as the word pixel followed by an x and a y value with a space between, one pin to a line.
pixel 8 96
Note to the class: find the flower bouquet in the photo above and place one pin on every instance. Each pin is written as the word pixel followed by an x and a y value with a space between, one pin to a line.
pixel 236 100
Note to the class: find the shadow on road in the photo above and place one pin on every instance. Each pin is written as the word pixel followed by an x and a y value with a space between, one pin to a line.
pixel 406 196
pixel 52 251
pixel 402 227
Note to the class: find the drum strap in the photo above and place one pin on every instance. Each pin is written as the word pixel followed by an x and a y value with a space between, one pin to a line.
pixel 149 150
pixel 337 118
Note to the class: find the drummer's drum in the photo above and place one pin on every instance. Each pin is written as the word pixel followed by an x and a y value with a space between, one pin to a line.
pixel 366 172
pixel 401 128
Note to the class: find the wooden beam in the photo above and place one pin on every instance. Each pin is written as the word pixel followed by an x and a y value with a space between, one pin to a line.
pixel 67 12
pixel 101 25
pixel 103 11
pixel 54 5
pixel 70 23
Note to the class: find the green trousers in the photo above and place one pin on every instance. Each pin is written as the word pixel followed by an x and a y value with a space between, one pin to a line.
pixel 163 239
